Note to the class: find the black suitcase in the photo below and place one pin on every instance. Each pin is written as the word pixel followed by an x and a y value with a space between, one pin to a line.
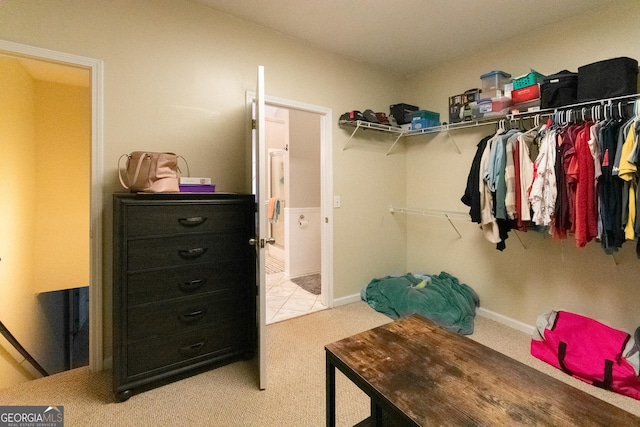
pixel 559 89
pixel 607 79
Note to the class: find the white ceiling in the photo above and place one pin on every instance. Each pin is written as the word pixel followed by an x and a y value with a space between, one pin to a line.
pixel 403 36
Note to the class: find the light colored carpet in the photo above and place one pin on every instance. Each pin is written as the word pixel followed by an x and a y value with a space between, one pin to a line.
pixel 229 396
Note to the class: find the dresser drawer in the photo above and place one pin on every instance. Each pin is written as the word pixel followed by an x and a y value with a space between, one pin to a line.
pixel 188 348
pixel 185 250
pixel 168 283
pixel 145 220
pixel 175 316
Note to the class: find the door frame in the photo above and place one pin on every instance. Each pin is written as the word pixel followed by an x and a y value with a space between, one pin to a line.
pixel 96 67
pixel 326 182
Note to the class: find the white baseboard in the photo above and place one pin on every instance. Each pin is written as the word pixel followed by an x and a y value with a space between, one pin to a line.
pixel 346 300
pixel 507 321
pixel 492 315
pixel 303 273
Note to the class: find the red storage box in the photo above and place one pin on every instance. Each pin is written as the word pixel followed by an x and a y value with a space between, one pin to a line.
pixel 525 94
pixel 500 104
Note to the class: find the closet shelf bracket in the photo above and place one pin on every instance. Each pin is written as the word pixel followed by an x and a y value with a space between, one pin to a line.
pixel 453 141
pixel 434 213
pixel 359 124
pixel 351 137
pixel 394 143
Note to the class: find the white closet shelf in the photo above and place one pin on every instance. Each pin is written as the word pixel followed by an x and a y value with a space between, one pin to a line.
pixel 360 124
pixel 399 132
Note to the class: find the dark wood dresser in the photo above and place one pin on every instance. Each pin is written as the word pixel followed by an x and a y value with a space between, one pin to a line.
pixel 184 286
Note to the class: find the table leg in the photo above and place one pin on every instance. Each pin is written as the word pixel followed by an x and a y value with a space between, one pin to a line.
pixel 331 393
pixel 376 414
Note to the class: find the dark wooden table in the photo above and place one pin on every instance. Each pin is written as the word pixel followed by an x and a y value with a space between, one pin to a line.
pixel 418 373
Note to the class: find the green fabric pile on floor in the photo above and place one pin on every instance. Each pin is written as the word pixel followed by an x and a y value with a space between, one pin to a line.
pixel 441 298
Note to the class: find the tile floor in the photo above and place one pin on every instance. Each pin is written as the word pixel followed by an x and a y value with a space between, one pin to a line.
pixel 286 300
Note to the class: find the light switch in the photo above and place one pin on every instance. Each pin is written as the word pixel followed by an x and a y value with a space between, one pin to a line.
pixel 336 202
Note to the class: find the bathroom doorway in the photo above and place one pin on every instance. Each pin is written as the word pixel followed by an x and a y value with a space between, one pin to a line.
pixel 293 262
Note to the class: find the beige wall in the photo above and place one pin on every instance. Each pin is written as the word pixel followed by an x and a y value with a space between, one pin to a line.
pixel 17 133
pixel 176 75
pixel 63 158
pixel 541 273
pixel 304 159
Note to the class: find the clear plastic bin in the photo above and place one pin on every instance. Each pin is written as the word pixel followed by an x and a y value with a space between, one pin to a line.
pixel 493 84
pixel 481 108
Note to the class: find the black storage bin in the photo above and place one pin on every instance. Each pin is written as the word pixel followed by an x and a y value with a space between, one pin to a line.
pixel 559 89
pixel 607 79
pixel 403 113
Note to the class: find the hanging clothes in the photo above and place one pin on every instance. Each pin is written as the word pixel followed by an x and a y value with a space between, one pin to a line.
pixel 610 192
pixel 524 176
pixel 585 211
pixel 544 190
pixel 573 176
pixel 487 219
pixel 471 195
pixel 628 173
pixel 562 218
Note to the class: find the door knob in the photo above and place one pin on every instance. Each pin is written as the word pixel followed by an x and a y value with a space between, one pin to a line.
pixel 254 242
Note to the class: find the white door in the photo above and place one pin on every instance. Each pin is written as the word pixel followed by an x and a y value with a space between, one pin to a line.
pixel 259 163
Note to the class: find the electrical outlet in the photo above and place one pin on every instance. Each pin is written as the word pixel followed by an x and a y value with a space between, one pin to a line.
pixel 336 202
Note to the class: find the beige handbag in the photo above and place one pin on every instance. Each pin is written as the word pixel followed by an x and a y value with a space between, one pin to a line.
pixel 150 172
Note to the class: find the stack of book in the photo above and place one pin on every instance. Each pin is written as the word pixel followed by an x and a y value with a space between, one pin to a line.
pixel 190 184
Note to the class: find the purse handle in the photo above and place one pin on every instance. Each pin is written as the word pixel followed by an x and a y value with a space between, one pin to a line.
pixel 135 176
pixel 185 162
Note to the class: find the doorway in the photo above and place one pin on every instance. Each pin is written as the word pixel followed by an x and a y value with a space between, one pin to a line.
pixel 30 292
pixel 296 215
pixel 293 178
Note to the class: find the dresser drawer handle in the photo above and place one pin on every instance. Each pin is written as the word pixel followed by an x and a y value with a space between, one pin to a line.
pixel 189 350
pixel 194 316
pixel 192 285
pixel 192 253
pixel 192 221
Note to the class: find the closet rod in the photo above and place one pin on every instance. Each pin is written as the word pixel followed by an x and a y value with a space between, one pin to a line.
pixel 435 213
pixel 551 111
pixel 449 215
pixel 515 116
pixel 463 216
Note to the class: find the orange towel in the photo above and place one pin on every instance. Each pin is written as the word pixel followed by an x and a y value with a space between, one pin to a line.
pixel 272 204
